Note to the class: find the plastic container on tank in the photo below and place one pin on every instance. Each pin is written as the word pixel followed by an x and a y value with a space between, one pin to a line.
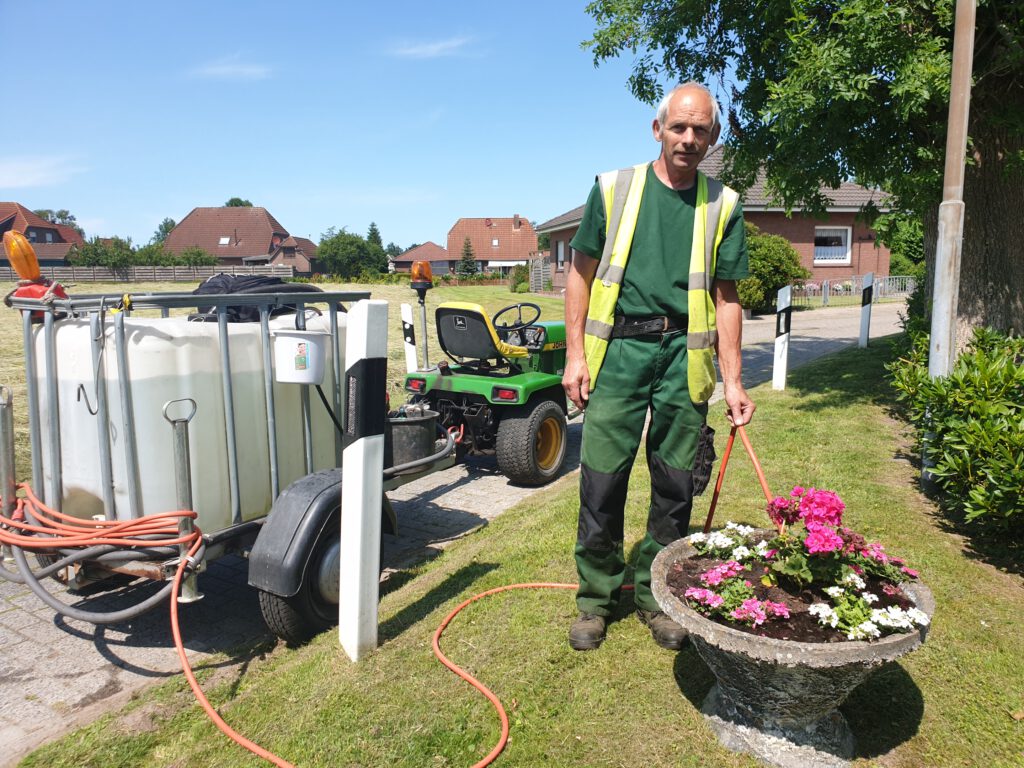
pixel 173 359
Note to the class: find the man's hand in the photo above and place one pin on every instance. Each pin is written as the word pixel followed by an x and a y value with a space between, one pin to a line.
pixel 739 408
pixel 576 382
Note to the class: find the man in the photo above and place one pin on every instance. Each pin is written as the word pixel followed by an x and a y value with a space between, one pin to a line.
pixel 652 292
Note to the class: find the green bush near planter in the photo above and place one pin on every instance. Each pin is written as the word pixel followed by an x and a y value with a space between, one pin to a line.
pixel 774 264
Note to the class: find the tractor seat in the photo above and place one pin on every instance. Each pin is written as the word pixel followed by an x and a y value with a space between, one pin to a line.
pixel 465 331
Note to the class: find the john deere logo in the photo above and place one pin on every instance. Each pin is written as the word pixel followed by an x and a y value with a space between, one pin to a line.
pixel 460 323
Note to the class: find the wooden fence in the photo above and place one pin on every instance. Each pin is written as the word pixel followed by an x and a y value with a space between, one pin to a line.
pixel 148 274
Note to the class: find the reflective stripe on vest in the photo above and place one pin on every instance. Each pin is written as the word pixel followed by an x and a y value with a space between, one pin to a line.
pixel 622 192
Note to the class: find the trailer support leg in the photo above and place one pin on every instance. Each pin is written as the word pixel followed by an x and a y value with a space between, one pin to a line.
pixel 362 488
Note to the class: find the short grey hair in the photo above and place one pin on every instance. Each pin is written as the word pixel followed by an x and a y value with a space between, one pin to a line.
pixel 716 112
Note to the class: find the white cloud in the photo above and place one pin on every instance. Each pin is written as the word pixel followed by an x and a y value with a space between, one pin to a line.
pixel 36 171
pixel 231 68
pixel 453 46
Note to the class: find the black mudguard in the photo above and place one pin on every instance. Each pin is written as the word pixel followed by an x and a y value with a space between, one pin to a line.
pixel 278 559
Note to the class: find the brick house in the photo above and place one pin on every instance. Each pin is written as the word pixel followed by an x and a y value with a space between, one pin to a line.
pixel 498 244
pixel 50 241
pixel 441 262
pixel 242 235
pixel 838 246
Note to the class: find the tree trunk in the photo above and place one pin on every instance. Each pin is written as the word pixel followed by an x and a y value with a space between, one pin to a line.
pixel 992 261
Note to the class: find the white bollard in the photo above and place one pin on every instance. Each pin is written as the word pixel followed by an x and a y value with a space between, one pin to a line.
pixel 866 297
pixel 409 339
pixel 783 316
pixel 362 490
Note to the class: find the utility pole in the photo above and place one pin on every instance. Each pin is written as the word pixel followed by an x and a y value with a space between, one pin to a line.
pixel 942 351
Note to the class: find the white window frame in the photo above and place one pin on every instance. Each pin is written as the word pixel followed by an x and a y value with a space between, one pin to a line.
pixel 837 261
pixel 225 240
pixel 494 242
pixel 560 255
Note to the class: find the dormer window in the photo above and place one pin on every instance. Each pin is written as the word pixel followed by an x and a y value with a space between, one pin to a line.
pixel 225 240
pixel 494 243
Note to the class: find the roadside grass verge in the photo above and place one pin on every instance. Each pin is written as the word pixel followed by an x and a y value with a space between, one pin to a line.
pixel 951 703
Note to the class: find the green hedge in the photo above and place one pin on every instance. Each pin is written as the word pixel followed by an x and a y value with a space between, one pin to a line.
pixel 974 419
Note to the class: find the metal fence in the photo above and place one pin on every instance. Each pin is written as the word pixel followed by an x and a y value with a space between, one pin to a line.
pixel 848 290
pixel 150 274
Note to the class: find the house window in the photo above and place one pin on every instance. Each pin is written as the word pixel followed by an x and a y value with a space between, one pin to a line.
pixel 560 255
pixel 494 243
pixel 31 235
pixel 225 240
pixel 831 245
pixel 49 237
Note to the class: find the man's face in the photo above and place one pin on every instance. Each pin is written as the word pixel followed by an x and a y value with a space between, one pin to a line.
pixel 688 131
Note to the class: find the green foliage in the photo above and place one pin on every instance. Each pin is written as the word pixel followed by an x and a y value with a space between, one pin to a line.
pixel 774 264
pixel 373 236
pixel 154 255
pixel 112 252
pixel 467 264
pixel 522 288
pixel 392 250
pixel 975 419
pixel 824 91
pixel 238 202
pixel 194 256
pixel 519 276
pixel 347 255
pixel 163 230
pixel 903 234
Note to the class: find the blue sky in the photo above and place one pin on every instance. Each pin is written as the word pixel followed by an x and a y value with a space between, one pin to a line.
pixel 411 115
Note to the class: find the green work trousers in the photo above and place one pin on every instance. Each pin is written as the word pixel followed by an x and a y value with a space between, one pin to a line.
pixel 638 374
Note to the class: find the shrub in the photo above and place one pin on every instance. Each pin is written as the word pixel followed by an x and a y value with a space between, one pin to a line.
pixel 520 275
pixel 774 264
pixel 522 288
pixel 975 419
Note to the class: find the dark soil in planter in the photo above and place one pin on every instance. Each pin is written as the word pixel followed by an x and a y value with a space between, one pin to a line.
pixel 801 625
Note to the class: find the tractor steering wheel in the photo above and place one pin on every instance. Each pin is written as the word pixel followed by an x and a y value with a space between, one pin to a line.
pixel 518 309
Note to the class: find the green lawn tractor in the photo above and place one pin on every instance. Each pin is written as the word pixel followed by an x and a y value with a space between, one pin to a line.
pixel 501 394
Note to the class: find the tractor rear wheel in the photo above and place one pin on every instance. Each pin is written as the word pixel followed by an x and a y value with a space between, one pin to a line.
pixel 531 443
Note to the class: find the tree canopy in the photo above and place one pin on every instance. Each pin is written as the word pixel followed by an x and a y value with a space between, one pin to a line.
pixel 818 92
pixel 347 255
pixel 163 230
pixel 237 202
pixel 62 216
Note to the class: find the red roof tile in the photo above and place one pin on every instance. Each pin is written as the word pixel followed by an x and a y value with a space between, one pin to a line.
pixel 428 251
pixel 227 232
pixel 516 240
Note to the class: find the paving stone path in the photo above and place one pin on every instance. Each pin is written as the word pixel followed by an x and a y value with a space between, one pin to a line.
pixel 56 674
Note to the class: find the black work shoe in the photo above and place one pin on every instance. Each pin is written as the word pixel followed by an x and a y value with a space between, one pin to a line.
pixel 665 632
pixel 586 632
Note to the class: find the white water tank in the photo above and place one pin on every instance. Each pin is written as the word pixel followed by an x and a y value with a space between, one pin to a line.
pixel 171 359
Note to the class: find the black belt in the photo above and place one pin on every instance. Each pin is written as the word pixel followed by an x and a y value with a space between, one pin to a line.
pixel 625 326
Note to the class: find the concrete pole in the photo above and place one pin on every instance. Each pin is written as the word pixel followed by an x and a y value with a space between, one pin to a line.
pixel 942 352
pixel 362 487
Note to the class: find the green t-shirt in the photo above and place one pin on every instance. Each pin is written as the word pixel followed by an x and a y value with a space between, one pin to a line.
pixel 658 270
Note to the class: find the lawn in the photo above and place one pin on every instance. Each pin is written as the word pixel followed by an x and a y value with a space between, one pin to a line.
pixel 957 701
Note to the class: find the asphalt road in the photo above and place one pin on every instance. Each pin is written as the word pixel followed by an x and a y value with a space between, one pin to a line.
pixel 56 674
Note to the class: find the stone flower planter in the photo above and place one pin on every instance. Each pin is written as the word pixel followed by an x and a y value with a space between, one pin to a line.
pixel 778 699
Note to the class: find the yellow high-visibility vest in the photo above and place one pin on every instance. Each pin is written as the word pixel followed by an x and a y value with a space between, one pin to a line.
pixel 622 192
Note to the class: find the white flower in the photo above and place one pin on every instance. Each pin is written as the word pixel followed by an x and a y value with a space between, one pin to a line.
pixel 918 617
pixel 853 580
pixel 892 617
pixel 740 554
pixel 834 591
pixel 826 614
pixel 869 598
pixel 741 530
pixel 864 631
pixel 762 548
pixel 697 538
pixel 718 540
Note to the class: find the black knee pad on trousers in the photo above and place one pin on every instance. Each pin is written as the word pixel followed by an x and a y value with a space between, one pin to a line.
pixel 671 501
pixel 602 507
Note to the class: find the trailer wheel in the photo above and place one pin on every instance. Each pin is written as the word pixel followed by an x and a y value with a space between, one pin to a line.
pixel 309 611
pixel 531 443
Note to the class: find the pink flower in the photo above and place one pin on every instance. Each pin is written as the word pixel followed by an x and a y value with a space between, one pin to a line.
pixel 797 491
pixel 875 551
pixel 823 507
pixel 890 589
pixel 770 554
pixel 821 539
pixel 910 572
pixel 715 576
pixel 704 597
pixel 777 609
pixel 782 510
pixel 751 610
